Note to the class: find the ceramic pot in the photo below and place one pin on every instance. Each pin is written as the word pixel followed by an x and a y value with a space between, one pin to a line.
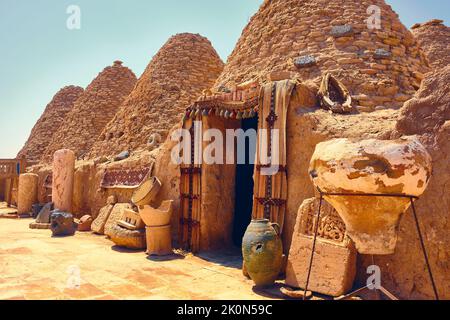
pixel 262 251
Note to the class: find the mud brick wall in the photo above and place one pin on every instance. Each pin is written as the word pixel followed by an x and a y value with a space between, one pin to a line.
pixel 49 122
pixel 92 111
pixel 185 66
pixel 381 67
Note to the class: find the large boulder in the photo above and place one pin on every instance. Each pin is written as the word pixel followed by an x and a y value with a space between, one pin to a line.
pixel 62 224
pixel 43 218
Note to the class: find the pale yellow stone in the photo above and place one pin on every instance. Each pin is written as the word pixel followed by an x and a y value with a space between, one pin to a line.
pixel 63 179
pixel 27 193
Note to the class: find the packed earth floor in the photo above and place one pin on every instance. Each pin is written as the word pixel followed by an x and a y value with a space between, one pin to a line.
pixel 35 266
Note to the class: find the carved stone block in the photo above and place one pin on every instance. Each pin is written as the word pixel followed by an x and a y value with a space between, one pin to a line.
pixel 334 265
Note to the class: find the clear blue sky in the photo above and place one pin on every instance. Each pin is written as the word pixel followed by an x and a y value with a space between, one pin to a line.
pixel 39 55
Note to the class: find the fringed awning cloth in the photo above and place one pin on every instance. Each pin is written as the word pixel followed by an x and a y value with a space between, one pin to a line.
pixel 270 191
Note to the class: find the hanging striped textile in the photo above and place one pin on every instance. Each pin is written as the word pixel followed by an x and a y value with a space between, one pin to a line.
pixel 190 189
pixel 270 192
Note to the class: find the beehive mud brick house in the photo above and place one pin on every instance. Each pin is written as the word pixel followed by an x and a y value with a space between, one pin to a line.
pixel 380 67
pixel 185 66
pixel 49 122
pixel 92 111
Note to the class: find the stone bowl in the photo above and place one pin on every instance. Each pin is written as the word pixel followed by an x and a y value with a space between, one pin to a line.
pixel 371 167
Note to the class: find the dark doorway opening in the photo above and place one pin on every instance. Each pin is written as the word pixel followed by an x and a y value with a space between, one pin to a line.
pixel 244 187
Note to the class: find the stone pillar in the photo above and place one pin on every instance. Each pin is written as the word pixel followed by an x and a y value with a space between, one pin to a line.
pixel 27 193
pixel 63 177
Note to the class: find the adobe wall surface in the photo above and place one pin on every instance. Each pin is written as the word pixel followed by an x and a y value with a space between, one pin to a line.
pixel 381 67
pixel 404 272
pixel 185 66
pixel 49 122
pixel 428 116
pixel 92 111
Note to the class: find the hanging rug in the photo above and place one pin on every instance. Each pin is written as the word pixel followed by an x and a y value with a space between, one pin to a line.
pixel 124 178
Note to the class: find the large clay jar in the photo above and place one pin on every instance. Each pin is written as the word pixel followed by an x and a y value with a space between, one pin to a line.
pixel 262 250
pixel 371 167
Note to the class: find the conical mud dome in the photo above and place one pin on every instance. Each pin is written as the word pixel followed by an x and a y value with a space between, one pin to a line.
pixel 380 67
pixel 434 39
pixel 185 66
pixel 95 108
pixel 50 121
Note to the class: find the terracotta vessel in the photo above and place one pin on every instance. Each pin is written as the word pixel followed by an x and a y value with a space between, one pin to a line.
pixel 372 167
pixel 159 240
pixel 153 217
pixel 146 192
pixel 262 251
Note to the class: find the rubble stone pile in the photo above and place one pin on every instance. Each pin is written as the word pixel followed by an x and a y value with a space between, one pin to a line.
pixel 434 39
pixel 49 122
pixel 381 67
pixel 185 66
pixel 92 112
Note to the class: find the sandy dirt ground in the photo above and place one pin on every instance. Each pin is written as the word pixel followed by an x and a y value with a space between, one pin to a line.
pixel 34 265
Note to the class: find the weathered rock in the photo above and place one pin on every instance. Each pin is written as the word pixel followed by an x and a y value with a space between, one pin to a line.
pixel 98 225
pixel 122 156
pixel 84 224
pixel 305 61
pixel 36 208
pixel 62 224
pixel 131 239
pixel 45 213
pixel 49 122
pixel 382 54
pixel 116 214
pixel 27 193
pixel 341 31
pixel 401 167
pixel 433 37
pixel 334 265
pixel 63 177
